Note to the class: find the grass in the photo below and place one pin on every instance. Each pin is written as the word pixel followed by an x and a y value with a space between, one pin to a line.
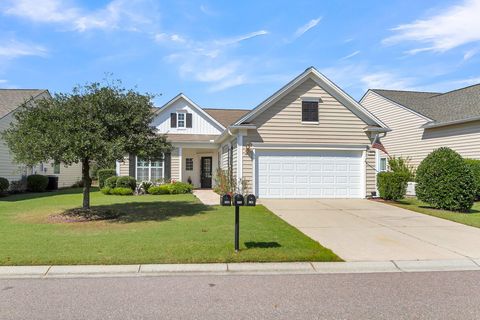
pixel 471 219
pixel 151 229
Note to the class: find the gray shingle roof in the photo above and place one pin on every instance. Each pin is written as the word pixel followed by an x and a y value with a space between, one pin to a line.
pixel 456 105
pixel 11 99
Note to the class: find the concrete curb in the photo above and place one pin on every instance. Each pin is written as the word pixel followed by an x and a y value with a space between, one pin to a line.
pixel 80 271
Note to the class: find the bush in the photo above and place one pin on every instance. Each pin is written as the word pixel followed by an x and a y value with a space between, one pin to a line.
pixel 392 185
pixel 126 182
pixel 106 190
pixel 145 185
pixel 4 184
pixel 18 186
pixel 445 181
pixel 475 167
pixel 402 165
pixel 103 175
pixel 111 182
pixel 161 189
pixel 179 187
pixel 37 183
pixel 119 191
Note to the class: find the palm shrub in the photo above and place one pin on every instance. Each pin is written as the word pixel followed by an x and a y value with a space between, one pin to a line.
pixel 37 183
pixel 392 185
pixel 445 181
pixel 474 165
pixel 4 184
pixel 104 174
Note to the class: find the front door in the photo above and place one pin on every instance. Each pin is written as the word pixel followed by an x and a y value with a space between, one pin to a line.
pixel 206 172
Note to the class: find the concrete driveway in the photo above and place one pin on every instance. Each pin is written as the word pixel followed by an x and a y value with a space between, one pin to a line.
pixel 364 230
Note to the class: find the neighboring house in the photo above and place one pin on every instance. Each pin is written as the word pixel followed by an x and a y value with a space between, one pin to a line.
pixel 308 140
pixel 424 121
pixel 10 101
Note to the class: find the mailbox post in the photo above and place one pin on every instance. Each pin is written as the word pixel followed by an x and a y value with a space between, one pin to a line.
pixel 238 201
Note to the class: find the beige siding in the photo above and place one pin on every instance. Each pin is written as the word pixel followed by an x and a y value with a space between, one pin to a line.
pixel 407 139
pixel 370 171
pixel 282 122
pixel 8 169
pixel 247 162
pixel 124 166
pixel 175 165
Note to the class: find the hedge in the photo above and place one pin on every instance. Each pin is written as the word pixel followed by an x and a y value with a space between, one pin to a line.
pixel 37 183
pixel 111 182
pixel 162 189
pixel 445 181
pixel 117 191
pixel 474 165
pixel 4 184
pixel 392 185
pixel 171 188
pixel 103 175
pixel 126 182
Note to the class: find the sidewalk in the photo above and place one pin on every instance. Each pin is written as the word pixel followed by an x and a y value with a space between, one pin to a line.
pixel 207 197
pixel 80 271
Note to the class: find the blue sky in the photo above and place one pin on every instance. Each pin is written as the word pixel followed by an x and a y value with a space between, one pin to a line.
pixel 236 53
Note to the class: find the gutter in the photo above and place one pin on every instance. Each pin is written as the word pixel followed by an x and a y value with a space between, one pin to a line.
pixel 432 124
pixel 231 130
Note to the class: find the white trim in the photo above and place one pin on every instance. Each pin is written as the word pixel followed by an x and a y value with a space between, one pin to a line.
pixel 311 99
pixel 180 160
pixel 184 113
pixel 193 104
pixel 377 167
pixel 254 173
pixel 328 86
pixel 239 156
pixel 270 146
pixel 117 168
pixel 429 125
pixel 310 122
pixel 150 168
pixel 363 173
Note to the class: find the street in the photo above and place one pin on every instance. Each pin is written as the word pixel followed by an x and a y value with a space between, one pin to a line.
pixel 432 295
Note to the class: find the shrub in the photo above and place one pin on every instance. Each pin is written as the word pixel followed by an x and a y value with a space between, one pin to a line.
pixel 392 185
pixel 475 167
pixel 103 175
pixel 402 165
pixel 106 190
pixel 161 189
pixel 4 184
pixel 126 182
pixel 145 185
pixel 18 186
pixel 119 191
pixel 111 182
pixel 179 187
pixel 445 181
pixel 37 183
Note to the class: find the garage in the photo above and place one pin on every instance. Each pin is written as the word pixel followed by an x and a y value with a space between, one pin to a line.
pixel 309 174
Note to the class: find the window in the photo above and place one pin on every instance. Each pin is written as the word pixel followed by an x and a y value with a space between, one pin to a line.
pixel 56 168
pixel 149 170
pixel 189 164
pixel 309 111
pixel 383 164
pixel 180 120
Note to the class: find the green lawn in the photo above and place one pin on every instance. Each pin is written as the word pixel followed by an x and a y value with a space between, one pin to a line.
pixel 472 218
pixel 153 229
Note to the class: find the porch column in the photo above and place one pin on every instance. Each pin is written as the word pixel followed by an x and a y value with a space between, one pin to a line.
pixel 180 164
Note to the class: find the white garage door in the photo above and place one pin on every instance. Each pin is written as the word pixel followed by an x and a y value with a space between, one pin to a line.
pixel 309 174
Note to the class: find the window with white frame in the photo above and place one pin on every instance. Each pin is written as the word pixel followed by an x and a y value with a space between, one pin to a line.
pixel 180 120
pixel 149 170
pixel 383 164
pixel 189 164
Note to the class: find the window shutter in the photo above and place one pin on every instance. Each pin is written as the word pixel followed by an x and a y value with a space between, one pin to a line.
pixel 173 120
pixel 168 165
pixel 131 165
pixel 189 120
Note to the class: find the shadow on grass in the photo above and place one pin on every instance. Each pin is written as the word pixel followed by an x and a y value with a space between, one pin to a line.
pixel 151 211
pixel 37 195
pixel 263 245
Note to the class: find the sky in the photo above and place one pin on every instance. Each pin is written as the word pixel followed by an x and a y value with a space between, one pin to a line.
pixel 235 54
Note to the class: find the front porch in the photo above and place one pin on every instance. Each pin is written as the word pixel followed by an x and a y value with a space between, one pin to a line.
pixel 195 165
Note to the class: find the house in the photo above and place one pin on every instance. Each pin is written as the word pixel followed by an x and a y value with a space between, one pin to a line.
pixel 424 121
pixel 308 140
pixel 10 101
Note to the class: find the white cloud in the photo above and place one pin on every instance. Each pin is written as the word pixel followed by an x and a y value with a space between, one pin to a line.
pixel 3 81
pixel 351 55
pixel 469 54
pixel 14 49
pixel 386 80
pixel 309 25
pixel 450 28
pixel 241 38
pixel 117 14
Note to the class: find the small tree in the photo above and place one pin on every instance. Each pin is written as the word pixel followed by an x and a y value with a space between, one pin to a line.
pixel 97 123
pixel 403 166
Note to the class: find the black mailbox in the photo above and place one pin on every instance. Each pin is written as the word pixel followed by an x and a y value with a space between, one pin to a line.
pixel 251 200
pixel 238 200
pixel 226 200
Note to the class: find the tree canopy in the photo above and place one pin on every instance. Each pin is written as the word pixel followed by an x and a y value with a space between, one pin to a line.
pixel 96 122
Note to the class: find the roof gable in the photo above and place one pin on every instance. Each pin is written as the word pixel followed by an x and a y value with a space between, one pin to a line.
pixel 11 99
pixel 226 116
pixel 327 85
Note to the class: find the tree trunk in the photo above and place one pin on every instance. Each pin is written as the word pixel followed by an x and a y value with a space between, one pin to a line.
pixel 87 182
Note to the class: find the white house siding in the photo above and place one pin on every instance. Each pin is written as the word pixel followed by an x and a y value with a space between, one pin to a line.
pixel 281 123
pixel 201 124
pixel 234 157
pixel 407 139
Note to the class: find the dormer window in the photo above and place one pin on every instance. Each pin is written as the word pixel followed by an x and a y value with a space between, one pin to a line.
pixel 181 120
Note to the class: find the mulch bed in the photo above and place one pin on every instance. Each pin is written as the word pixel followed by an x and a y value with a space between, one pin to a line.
pixel 83 215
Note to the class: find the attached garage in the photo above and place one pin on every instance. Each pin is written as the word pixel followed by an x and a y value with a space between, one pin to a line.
pixel 310 174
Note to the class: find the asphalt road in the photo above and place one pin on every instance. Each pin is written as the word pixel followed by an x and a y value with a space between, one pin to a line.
pixel 433 295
